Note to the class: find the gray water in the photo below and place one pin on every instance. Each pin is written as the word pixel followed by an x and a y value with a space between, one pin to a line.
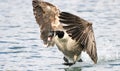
pixel 22 50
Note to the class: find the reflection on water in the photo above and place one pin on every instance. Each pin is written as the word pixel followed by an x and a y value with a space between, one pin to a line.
pixel 73 69
pixel 22 50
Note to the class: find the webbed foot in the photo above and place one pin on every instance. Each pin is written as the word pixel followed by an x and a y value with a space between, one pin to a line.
pixel 80 60
pixel 68 64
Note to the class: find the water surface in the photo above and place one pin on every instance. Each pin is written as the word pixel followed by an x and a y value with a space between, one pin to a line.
pixel 22 50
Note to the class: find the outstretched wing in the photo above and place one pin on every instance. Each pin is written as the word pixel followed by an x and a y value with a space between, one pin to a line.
pixel 81 31
pixel 45 15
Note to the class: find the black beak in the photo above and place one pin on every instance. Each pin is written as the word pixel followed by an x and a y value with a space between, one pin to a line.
pixel 51 34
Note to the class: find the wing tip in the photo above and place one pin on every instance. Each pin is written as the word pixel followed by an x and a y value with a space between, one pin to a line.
pixel 34 3
pixel 95 60
pixel 93 56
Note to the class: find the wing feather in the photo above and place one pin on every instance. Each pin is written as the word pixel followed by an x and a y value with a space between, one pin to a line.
pixel 81 31
pixel 45 14
pixel 77 28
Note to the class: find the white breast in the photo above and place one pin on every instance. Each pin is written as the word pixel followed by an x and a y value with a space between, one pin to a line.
pixel 65 44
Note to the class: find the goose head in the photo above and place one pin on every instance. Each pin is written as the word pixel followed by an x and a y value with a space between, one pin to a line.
pixel 51 34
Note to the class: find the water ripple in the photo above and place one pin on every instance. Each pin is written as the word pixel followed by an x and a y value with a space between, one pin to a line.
pixel 12 52
pixel 36 56
pixel 11 26
pixel 85 11
pixel 11 42
pixel 16 47
pixel 115 64
pixel 23 39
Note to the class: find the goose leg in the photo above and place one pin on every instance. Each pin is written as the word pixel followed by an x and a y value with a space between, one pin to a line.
pixel 67 62
pixel 75 58
pixel 80 60
pixel 65 59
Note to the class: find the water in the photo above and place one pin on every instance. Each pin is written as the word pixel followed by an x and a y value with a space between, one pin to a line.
pixel 22 50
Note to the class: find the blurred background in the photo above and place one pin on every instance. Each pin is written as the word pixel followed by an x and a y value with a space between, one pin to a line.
pixel 22 50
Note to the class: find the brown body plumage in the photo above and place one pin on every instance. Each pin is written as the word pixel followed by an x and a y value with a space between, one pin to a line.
pixel 78 33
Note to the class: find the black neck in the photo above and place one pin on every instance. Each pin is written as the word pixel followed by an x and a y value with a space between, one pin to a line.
pixel 60 34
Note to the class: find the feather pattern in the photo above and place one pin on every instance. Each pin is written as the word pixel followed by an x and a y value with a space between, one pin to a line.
pixel 81 31
pixel 45 15
pixel 76 30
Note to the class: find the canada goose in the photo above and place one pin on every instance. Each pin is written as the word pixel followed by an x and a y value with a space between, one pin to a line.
pixel 70 33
